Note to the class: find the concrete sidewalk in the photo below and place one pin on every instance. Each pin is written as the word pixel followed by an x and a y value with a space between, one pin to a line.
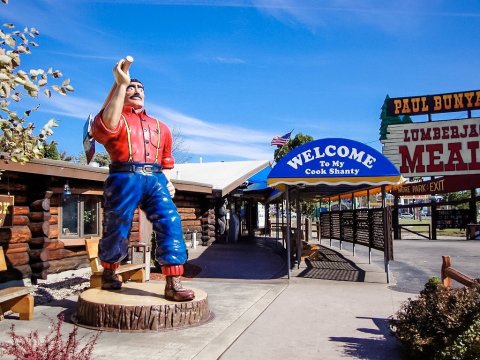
pixel 259 313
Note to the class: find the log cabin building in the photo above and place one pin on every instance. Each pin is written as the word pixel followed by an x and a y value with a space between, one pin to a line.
pixel 58 204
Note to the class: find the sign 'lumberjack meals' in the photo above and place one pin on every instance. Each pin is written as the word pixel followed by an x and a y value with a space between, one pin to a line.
pixel 435 148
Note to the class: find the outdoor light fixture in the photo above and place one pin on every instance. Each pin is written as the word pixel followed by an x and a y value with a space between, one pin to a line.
pixel 66 189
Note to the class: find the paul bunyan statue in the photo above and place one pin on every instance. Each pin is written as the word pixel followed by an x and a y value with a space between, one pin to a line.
pixel 140 148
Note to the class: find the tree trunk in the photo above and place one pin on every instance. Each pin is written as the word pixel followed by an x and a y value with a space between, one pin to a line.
pixel 127 310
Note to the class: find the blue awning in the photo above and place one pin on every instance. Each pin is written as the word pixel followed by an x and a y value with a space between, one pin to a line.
pixel 334 162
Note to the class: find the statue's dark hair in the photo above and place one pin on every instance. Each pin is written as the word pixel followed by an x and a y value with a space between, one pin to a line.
pixel 136 80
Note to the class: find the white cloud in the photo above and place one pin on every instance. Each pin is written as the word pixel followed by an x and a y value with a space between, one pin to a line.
pixel 205 138
pixel 200 137
pixel 71 106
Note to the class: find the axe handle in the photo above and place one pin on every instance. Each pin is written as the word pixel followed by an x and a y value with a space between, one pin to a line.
pixel 125 66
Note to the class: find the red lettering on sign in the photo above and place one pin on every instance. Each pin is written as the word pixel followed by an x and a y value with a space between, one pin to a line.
pixel 409 164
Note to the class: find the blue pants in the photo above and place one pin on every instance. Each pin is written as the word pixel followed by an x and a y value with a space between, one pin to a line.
pixel 123 193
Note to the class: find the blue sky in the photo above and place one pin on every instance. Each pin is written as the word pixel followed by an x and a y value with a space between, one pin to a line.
pixel 231 74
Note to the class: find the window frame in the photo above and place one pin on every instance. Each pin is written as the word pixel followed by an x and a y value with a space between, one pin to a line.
pixel 80 217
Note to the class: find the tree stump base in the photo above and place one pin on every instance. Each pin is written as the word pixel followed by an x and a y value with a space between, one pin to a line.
pixel 139 307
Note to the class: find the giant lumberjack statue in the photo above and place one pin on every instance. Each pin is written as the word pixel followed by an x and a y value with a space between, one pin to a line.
pixel 140 148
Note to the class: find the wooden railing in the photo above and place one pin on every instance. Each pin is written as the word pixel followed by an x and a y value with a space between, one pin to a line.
pixel 405 227
pixel 449 273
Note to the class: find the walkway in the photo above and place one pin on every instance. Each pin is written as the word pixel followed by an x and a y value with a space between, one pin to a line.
pixel 259 314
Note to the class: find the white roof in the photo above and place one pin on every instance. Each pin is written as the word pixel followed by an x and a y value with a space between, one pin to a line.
pixel 223 176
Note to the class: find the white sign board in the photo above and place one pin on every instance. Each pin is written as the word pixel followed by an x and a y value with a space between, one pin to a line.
pixel 434 148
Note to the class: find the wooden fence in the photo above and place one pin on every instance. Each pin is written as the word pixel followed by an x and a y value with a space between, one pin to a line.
pixel 449 273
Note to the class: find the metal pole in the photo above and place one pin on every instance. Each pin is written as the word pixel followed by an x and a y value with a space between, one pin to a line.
pixel 387 270
pixel 354 206
pixel 330 219
pixel 299 230
pixel 340 215
pixel 287 199
pixel 277 206
pixel 386 261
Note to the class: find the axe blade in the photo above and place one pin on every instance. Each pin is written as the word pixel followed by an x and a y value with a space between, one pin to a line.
pixel 88 141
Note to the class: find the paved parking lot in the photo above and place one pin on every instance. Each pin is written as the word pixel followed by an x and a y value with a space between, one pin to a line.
pixel 417 260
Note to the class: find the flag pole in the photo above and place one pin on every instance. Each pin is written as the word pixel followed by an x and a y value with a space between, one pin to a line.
pixel 278 152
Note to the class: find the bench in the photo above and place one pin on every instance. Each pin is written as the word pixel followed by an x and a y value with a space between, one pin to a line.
pixel 449 273
pixel 126 272
pixel 16 299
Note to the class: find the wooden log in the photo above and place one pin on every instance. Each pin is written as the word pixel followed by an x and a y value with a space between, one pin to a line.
pixel 53 220
pixel 16 273
pixel 21 199
pixel 188 216
pixel 189 229
pixel 20 220
pixel 45 242
pixel 135 226
pixel 12 186
pixel 136 216
pixel 40 228
pixel 18 258
pixel 126 310
pixel 53 232
pixel 54 210
pixel 186 210
pixel 191 222
pixel 21 210
pixel 56 266
pixel 41 255
pixel 55 201
pixel 15 234
pixel 17 248
pixel 42 204
pixel 39 216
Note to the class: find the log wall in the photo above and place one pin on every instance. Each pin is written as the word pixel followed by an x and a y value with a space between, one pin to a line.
pixel 191 207
pixel 32 246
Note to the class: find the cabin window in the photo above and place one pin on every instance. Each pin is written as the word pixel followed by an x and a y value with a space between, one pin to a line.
pixel 79 216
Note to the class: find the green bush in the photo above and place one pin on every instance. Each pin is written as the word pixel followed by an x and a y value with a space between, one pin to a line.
pixel 442 323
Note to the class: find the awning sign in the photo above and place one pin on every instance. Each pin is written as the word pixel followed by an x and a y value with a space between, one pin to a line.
pixel 6 210
pixel 334 161
pixel 445 184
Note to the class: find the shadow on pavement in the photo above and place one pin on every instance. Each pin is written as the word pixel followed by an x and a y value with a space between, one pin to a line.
pixel 328 264
pixel 362 348
pixel 257 260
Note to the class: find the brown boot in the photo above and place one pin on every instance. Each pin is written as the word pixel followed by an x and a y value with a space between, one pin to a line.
pixel 173 287
pixel 175 292
pixel 110 280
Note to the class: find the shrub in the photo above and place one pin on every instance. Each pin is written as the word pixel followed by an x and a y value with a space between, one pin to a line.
pixel 442 323
pixel 52 347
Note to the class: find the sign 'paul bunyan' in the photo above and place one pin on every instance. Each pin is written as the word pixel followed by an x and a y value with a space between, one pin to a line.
pixel 430 104
pixel 434 148
pixel 333 161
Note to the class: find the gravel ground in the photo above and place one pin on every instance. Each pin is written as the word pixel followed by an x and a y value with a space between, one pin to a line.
pixel 69 283
pixel 60 286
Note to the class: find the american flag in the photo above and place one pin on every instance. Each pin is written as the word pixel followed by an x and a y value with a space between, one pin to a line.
pixel 281 140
